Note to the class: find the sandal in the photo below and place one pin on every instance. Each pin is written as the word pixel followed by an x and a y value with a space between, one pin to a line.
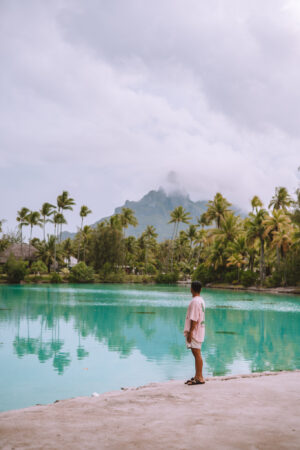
pixel 194 382
pixel 191 379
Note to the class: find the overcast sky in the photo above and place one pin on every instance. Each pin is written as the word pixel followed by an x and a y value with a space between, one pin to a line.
pixel 106 98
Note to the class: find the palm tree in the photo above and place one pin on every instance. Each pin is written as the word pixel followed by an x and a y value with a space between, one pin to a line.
pixel 46 251
pixel 236 260
pixel 283 241
pixel 228 229
pixel 22 219
pixel 281 199
pixel 68 249
pixel 127 217
pixel 274 223
pixel 85 235
pixel 150 236
pixel 256 228
pixel 256 203
pixel 217 209
pixel 191 234
pixel 64 202
pixel 34 219
pixel 84 211
pixel 46 211
pixel 178 215
pixel 203 221
pixel 58 220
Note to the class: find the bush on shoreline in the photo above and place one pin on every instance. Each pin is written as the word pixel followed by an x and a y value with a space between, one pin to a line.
pixel 16 270
pixel 81 273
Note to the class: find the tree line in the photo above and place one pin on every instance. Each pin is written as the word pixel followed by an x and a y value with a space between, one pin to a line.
pixel 262 248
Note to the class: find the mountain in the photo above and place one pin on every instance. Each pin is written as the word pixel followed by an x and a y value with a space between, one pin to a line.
pixel 154 209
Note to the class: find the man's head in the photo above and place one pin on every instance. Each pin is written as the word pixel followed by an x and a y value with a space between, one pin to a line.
pixel 196 287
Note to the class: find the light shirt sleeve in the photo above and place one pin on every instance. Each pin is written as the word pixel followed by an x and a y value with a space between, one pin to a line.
pixel 194 311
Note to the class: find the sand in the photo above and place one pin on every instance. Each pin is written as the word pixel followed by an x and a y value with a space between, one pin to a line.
pixel 258 411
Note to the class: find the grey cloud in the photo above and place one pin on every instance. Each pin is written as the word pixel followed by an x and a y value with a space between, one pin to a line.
pixel 106 98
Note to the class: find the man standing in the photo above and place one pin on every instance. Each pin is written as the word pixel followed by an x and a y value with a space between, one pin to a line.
pixel 194 331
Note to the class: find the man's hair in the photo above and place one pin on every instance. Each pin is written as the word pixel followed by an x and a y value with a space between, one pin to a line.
pixel 196 286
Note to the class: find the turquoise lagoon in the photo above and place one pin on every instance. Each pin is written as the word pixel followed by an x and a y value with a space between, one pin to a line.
pixel 66 341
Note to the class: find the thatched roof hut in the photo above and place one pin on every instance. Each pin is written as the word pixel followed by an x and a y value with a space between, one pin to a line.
pixel 24 251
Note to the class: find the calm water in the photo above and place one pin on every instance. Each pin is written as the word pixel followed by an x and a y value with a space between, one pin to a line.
pixel 66 341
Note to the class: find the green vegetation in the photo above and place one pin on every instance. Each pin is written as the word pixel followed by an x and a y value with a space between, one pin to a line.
pixel 81 273
pixel 16 270
pixel 222 247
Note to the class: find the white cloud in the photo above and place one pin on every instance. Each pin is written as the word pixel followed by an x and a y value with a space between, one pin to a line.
pixel 105 100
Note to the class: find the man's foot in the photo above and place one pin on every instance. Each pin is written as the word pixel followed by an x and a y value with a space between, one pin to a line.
pixel 195 381
pixel 187 381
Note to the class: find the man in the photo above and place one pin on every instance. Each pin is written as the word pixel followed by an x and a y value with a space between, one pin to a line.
pixel 194 331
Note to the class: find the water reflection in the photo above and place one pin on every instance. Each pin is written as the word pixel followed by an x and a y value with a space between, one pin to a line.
pixel 267 339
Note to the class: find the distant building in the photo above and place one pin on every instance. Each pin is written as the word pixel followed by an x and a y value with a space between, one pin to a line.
pixel 72 262
pixel 19 251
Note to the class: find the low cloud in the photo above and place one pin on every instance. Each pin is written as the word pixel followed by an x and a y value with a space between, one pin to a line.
pixel 109 101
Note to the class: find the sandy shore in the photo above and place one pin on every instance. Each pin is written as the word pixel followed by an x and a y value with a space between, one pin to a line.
pixel 258 411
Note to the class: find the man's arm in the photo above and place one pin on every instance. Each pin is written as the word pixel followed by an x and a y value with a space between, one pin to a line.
pixel 190 333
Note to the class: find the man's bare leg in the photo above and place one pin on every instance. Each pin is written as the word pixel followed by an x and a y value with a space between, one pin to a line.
pixel 198 363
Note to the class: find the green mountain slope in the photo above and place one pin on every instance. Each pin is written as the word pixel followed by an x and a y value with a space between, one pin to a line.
pixel 154 209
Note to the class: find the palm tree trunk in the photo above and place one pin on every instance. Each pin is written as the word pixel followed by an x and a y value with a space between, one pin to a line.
pixel 22 241
pixel 277 256
pixel 262 261
pixel 55 247
pixel 30 240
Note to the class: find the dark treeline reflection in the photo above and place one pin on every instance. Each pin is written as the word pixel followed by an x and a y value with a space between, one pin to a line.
pixel 267 340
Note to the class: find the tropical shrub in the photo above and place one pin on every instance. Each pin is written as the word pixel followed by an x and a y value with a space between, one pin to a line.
pixel 55 278
pixel 167 278
pixel 112 277
pixel 39 267
pixel 248 278
pixel 230 277
pixel 81 273
pixel 204 274
pixel 16 270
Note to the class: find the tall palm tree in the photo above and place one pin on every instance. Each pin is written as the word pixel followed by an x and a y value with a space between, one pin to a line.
pixel 228 229
pixel 34 219
pixel 64 203
pixel 203 221
pixel 282 239
pixel 256 203
pixel 256 228
pixel 191 234
pixel 58 220
pixel 178 215
pixel 217 209
pixel 68 249
pixel 236 260
pixel 22 219
pixel 150 236
pixel 46 251
pixel 274 223
pixel 127 217
pixel 86 233
pixel 46 211
pixel 281 199
pixel 84 211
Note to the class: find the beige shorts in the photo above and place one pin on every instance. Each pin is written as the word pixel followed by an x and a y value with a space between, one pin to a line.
pixel 193 344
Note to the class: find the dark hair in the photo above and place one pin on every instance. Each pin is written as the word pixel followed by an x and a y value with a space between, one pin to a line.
pixel 196 286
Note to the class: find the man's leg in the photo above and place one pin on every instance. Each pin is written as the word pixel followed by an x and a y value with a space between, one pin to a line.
pixel 198 363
